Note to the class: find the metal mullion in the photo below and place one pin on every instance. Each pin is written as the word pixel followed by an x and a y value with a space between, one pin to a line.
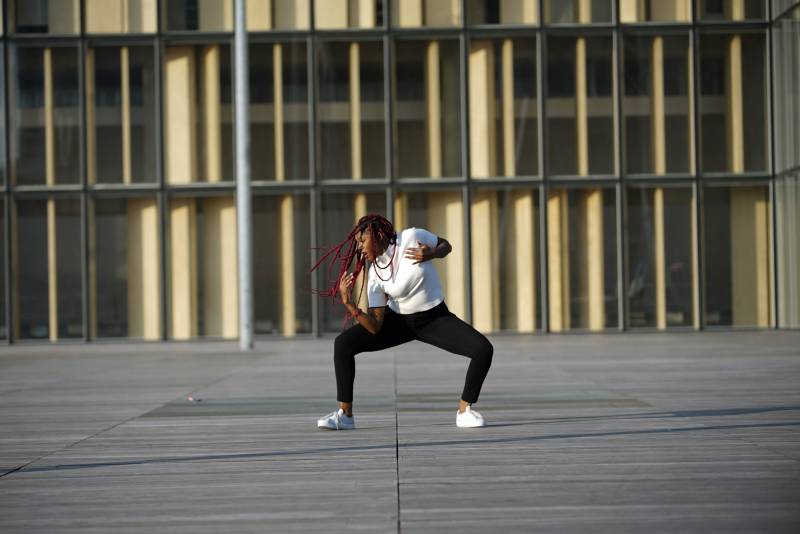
pixel 278 36
pixel 315 203
pixel 86 295
pixel 7 198
pixel 697 186
pixel 44 39
pixel 56 189
pixel 466 195
pixel 9 319
pixel 362 34
pixel 195 37
pixel 541 108
pixel 161 194
pixel 619 190
pixel 115 39
pixel 426 33
pixel 388 112
pixel 492 32
pixel 787 11
pixel 771 136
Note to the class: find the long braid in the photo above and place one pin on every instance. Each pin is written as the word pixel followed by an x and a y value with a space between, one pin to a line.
pixel 347 254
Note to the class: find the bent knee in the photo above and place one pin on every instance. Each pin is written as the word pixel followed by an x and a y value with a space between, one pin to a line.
pixel 484 352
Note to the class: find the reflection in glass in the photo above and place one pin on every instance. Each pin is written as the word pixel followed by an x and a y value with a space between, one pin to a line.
pixel 737 235
pixel 503 12
pixel 787 222
pixel 198 127
pixel 582 259
pixel 660 256
pixel 3 161
pixel 197 15
pixel 656 104
pixel 731 9
pixel 45 116
pixel 46 16
pixel 277 15
pixel 281 281
pixel 350 110
pixel 340 212
pixel 581 11
pixel 47 267
pixel 120 16
pixel 503 108
pixel 580 122
pixel 733 102
pixel 505 259
pixel 278 111
pixel 426 109
pixel 202 267
pixel 655 10
pixel 415 13
pixel 121 115
pixel 3 296
pixel 125 272
pixel 786 71
pixel 341 14
pixel 440 212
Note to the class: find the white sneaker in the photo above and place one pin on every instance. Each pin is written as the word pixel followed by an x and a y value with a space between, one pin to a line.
pixel 337 421
pixel 469 418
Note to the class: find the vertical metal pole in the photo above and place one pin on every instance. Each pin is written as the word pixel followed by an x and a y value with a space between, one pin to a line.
pixel 243 204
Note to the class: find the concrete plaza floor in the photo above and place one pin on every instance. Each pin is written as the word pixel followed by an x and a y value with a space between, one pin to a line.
pixel 695 432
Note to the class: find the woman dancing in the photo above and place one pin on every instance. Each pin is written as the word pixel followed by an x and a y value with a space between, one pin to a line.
pixel 405 303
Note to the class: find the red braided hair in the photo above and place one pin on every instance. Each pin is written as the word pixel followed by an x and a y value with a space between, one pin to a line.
pixel 347 253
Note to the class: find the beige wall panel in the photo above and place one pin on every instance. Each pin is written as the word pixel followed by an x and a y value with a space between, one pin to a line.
pixel 180 122
pixel 277 80
pixel 400 221
pixel 91 133
pixel 558 260
pixel 355 112
pixel 49 119
pixel 660 261
pixel 442 12
pixel 433 116
pixel 183 268
pixel 667 10
pixel 142 16
pixel 106 16
pixel 446 219
pixel 519 298
pixel 288 312
pixel 144 281
pixel 359 210
pixel 696 312
pixel 215 15
pixel 331 14
pixel 734 110
pixel 407 13
pixel 750 256
pixel 291 14
pixel 509 148
pixel 583 9
pixel 485 281
pixel 595 262
pixel 658 122
pixel 518 12
pixel 362 13
pixel 125 90
pixel 483 123
pixel 581 108
pixel 259 15
pixel 631 10
pixel 220 306
pixel 212 116
pixel 64 16
pixel 52 270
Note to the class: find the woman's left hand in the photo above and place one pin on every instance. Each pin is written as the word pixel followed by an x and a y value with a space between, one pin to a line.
pixel 419 254
pixel 344 287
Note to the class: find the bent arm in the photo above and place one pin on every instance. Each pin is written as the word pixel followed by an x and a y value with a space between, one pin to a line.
pixel 442 248
pixel 372 321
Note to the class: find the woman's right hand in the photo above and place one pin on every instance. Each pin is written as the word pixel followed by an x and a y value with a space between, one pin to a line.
pixel 344 287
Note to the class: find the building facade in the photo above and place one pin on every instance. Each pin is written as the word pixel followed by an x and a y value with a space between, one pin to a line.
pixel 596 164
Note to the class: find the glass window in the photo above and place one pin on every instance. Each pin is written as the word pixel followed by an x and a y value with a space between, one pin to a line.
pixel 340 213
pixel 47 269
pixel 120 16
pixel 197 15
pixel 660 257
pixel 415 13
pixel 732 74
pixel 656 105
pixel 731 9
pixel 278 111
pixel 265 15
pixel 46 16
pixel 440 211
pixel 580 110
pixel 2 116
pixel 125 268
pixel 655 11
pixel 786 34
pixel 582 259
pixel 787 221
pixel 580 11
pixel 340 14
pixel 350 110
pixel 427 109
pixel 503 108
pixel 45 116
pixel 120 113
pixel 737 247
pixel 202 270
pixel 198 115
pixel 3 296
pixel 505 260
pixel 502 12
pixel 281 263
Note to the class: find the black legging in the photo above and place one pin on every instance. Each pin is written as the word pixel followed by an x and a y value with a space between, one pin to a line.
pixel 437 327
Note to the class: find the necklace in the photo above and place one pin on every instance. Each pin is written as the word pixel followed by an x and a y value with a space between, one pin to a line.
pixel 387 266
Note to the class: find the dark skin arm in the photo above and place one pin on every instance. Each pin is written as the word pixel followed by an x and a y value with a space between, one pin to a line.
pixel 373 319
pixel 424 252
